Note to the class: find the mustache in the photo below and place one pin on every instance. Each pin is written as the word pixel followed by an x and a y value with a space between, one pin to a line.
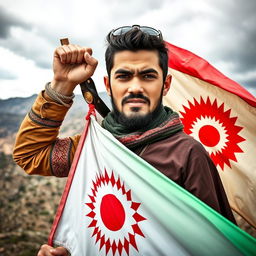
pixel 135 96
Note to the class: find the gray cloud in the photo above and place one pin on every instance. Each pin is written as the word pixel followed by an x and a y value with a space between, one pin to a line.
pixel 42 58
pixel 237 34
pixel 236 42
pixel 251 83
pixel 7 21
pixel 223 32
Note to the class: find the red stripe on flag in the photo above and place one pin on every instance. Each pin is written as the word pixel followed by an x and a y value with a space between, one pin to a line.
pixel 68 184
pixel 187 62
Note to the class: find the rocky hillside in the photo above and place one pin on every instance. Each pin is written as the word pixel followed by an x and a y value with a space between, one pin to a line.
pixel 27 208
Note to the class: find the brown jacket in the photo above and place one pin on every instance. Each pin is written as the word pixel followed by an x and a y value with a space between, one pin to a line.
pixel 38 150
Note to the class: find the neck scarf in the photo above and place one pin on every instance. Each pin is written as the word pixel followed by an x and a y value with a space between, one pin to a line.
pixel 164 125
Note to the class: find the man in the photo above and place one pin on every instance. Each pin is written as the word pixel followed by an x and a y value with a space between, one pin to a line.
pixel 137 64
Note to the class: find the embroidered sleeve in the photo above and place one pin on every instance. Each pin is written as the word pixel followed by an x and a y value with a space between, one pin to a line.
pixel 60 157
pixel 43 121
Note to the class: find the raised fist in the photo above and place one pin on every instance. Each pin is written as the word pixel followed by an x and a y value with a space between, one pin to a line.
pixel 72 64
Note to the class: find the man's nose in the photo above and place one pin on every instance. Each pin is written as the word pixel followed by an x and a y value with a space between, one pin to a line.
pixel 135 87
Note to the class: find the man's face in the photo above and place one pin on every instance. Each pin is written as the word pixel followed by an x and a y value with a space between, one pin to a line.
pixel 136 83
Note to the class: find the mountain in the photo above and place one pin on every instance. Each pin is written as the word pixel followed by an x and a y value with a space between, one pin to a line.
pixel 17 105
pixel 20 106
pixel 13 111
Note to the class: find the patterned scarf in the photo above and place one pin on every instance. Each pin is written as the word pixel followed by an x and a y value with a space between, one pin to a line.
pixel 164 125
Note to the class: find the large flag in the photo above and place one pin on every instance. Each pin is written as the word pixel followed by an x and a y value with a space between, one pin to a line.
pixel 220 114
pixel 115 203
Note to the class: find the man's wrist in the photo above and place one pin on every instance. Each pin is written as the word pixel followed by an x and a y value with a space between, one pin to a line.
pixel 58 97
pixel 62 87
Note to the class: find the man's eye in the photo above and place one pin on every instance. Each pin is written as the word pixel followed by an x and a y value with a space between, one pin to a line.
pixel 122 76
pixel 149 76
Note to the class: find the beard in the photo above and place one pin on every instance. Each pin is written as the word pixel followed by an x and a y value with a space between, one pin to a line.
pixel 136 121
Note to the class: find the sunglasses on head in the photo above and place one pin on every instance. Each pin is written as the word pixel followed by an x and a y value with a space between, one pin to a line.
pixel 147 30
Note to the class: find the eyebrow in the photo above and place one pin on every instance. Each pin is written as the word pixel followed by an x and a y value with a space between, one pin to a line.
pixel 149 70
pixel 128 72
pixel 124 71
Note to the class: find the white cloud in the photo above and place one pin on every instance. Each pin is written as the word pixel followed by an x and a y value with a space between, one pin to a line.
pixel 30 79
pixel 31 45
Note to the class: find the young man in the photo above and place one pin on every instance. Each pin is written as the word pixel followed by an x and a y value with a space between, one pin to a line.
pixel 137 64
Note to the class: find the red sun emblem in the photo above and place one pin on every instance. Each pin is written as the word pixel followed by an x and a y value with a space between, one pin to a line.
pixel 214 128
pixel 115 217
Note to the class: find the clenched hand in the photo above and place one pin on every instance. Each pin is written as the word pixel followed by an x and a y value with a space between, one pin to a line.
pixel 72 64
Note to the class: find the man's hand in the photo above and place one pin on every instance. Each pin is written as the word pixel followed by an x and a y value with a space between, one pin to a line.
pixel 72 64
pixel 47 250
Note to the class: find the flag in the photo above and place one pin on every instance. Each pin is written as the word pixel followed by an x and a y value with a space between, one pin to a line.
pixel 220 114
pixel 115 203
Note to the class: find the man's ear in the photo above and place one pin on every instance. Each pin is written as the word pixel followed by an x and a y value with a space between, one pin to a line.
pixel 107 85
pixel 167 84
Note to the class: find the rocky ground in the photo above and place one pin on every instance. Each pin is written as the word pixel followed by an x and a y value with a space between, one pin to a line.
pixel 27 208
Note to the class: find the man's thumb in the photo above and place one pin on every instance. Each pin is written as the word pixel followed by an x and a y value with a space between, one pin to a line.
pixel 91 63
pixel 59 251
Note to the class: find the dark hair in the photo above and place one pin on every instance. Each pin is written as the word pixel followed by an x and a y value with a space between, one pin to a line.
pixel 135 40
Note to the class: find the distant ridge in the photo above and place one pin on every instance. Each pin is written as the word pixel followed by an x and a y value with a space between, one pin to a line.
pixel 13 111
pixel 21 105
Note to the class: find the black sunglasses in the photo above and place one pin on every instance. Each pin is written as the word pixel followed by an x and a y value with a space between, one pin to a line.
pixel 147 30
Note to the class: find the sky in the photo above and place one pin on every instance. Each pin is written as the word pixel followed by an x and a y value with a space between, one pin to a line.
pixel 222 32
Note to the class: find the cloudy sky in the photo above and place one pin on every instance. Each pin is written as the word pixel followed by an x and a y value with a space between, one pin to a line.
pixel 222 32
